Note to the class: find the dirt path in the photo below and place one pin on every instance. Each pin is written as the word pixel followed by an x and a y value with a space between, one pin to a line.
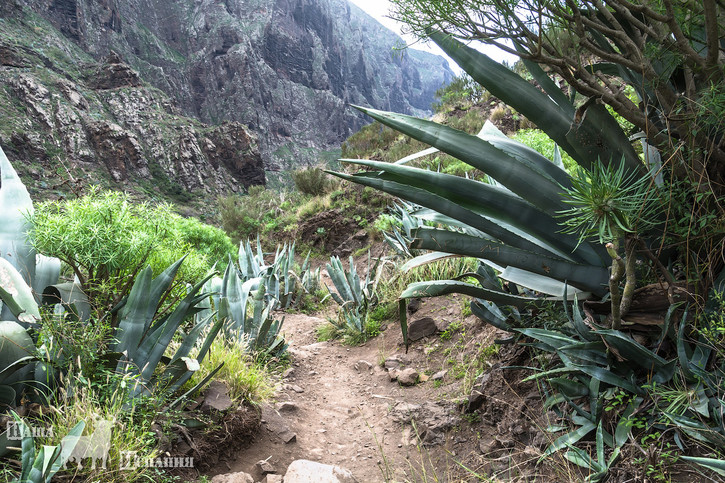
pixel 339 402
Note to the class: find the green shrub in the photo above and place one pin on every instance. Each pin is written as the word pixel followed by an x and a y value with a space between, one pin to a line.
pixel 541 142
pixel 209 240
pixel 312 181
pixel 259 211
pixel 462 91
pixel 106 240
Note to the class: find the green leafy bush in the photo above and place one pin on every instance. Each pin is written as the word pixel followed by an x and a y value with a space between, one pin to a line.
pixel 312 181
pixel 462 91
pixel 259 211
pixel 541 142
pixel 106 239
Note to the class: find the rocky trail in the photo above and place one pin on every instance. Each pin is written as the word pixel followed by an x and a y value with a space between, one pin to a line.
pixel 360 408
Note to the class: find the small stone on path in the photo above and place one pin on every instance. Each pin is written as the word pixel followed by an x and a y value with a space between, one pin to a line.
pixel 408 377
pixel 287 407
pixel 420 328
pixel 272 479
pixel 362 366
pixel 239 477
pixel 265 467
pixel 392 362
pixel 287 436
pixel 216 397
pixel 438 376
pixel 305 471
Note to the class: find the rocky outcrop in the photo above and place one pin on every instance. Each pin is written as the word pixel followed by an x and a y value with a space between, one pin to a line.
pixel 113 73
pixel 288 69
pixel 118 148
pixel 99 122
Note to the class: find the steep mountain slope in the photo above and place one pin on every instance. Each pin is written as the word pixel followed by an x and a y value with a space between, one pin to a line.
pixel 68 120
pixel 285 68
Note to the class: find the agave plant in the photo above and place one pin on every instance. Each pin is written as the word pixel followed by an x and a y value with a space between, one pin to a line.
pixel 41 466
pixel 354 296
pixel 17 351
pixel 400 240
pixel 258 327
pixel 144 334
pixel 512 224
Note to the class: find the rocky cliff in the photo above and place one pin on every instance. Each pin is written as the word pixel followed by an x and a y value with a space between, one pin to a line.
pixel 67 120
pixel 285 68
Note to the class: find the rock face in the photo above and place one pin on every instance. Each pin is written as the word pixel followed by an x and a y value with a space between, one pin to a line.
pixel 67 118
pixel 286 68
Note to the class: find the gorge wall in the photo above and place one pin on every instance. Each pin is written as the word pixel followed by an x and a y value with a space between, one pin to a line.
pixel 202 94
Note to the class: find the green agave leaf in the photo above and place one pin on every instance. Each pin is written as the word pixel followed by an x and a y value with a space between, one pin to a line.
pixel 513 90
pixel 569 439
pixel 718 466
pixel 696 429
pixel 414 156
pixel 16 294
pixel 9 374
pixel 69 295
pixel 177 367
pixel 27 449
pixel 154 345
pixel 425 259
pixel 485 313
pixel 596 137
pixel 594 352
pixel 516 175
pixel 489 201
pixel 551 338
pixel 462 214
pixel 524 153
pixel 16 206
pixel 623 429
pixel 692 371
pixel 587 277
pixel 47 272
pixel 541 283
pixel 236 298
pixel 551 372
pixel 632 351
pixel 580 458
pixel 578 321
pixel 435 288
pixel 337 273
pixel 608 377
pixel 572 389
pixel 134 318
pixel 7 399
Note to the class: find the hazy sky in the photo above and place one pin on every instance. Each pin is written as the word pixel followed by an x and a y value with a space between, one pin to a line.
pixel 379 9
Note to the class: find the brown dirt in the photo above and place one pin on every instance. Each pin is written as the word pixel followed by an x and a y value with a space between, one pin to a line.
pixel 345 412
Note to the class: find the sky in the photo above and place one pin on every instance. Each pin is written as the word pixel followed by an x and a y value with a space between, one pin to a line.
pixel 378 9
